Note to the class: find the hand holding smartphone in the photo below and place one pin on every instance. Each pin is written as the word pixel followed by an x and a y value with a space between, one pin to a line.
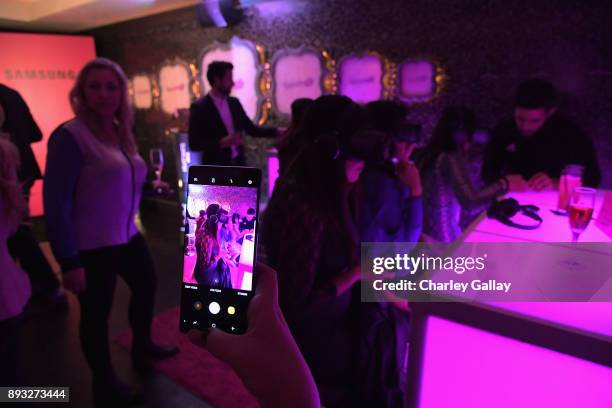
pixel 220 242
pixel 276 374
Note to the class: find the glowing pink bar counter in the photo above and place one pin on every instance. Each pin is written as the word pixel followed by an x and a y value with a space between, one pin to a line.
pixel 468 367
pixel 513 354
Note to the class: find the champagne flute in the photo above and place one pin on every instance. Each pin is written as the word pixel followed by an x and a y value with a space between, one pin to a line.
pixel 581 205
pixel 156 156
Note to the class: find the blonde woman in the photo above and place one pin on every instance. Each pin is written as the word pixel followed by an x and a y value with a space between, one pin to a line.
pixel 93 183
pixel 14 283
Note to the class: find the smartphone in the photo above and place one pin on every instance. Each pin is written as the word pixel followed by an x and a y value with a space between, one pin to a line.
pixel 221 221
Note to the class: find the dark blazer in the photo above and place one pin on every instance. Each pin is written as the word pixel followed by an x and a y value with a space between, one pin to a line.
pixel 206 129
pixel 23 130
pixel 558 143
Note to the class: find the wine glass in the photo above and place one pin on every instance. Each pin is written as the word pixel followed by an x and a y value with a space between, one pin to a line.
pixel 581 204
pixel 156 156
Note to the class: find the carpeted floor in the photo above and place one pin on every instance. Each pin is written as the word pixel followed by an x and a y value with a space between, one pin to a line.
pixel 195 368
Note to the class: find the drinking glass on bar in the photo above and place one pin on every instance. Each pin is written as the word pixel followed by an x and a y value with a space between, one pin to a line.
pixel 156 156
pixel 571 177
pixel 580 210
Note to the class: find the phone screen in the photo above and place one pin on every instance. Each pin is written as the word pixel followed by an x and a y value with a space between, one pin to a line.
pixel 220 247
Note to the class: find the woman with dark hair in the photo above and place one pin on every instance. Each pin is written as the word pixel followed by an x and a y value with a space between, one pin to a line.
pixel 201 219
pixel 390 211
pixel 449 187
pixel 287 144
pixel 310 235
pixel 210 267
pixel 235 225
pixel 391 201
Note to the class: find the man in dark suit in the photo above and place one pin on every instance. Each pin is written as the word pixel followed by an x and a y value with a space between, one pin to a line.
pixel 217 121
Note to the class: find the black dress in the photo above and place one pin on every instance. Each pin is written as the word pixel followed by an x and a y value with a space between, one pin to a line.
pixel 352 348
pixel 216 276
pixel 322 322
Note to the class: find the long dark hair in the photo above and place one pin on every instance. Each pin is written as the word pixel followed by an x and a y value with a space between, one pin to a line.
pixel 317 169
pixel 454 119
pixel 313 197
pixel 207 246
pixel 288 145
pixel 388 117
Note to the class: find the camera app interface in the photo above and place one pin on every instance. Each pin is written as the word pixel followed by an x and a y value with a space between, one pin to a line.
pixel 219 251
pixel 220 242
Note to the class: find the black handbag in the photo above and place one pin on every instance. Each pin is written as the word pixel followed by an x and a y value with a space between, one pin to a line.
pixel 504 210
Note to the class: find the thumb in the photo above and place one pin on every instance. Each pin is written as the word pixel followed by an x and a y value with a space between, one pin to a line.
pixel 213 340
pixel 222 345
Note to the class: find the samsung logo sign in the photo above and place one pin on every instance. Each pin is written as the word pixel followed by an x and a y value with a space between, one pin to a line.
pixel 43 74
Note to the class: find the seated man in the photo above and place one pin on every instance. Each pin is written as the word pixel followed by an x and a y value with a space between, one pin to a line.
pixel 538 142
pixel 248 222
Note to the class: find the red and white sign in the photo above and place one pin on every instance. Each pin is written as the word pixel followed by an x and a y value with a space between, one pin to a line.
pixel 174 87
pixel 242 55
pixel 417 80
pixel 43 68
pixel 143 92
pixel 361 78
pixel 297 74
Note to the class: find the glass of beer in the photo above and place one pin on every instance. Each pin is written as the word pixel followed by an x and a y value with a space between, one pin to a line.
pixel 571 177
pixel 580 210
